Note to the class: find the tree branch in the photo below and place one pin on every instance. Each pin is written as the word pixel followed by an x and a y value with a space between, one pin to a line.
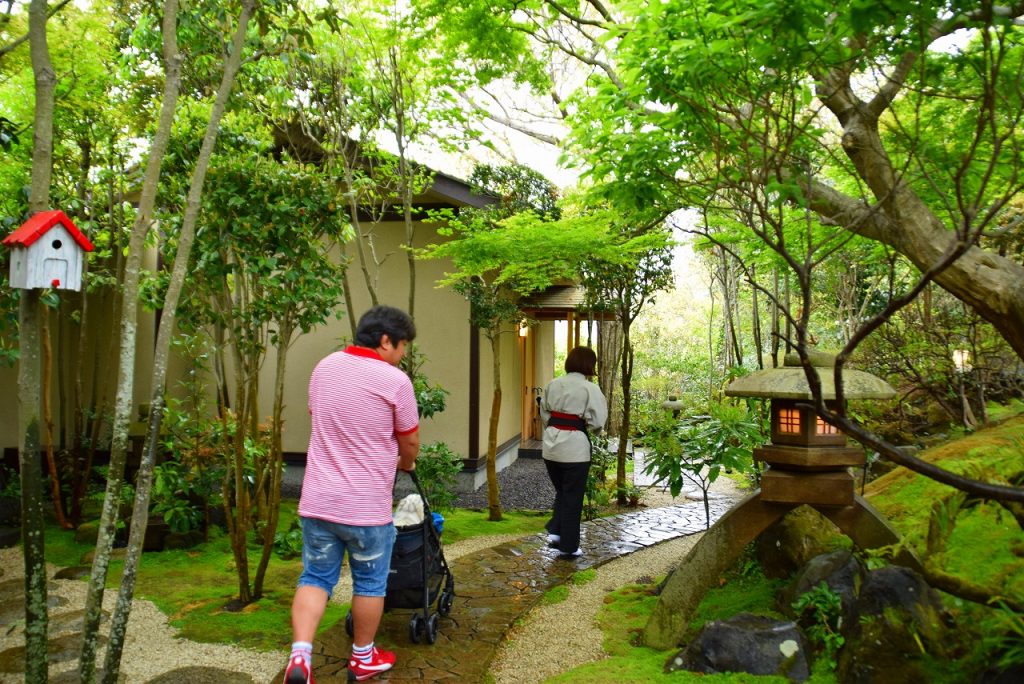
pixel 508 122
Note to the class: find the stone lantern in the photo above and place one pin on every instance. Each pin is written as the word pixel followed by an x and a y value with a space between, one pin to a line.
pixel 808 459
pixel 809 463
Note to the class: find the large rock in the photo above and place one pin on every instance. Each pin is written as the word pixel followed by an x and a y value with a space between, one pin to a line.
pixel 747 643
pixel 840 570
pixel 790 543
pixel 896 619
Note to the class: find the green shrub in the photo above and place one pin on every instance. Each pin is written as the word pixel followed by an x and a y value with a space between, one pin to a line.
pixel 437 469
pixel 288 542
pixel 172 498
pixel 820 611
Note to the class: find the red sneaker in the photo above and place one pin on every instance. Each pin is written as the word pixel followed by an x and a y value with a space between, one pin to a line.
pixel 298 672
pixel 380 661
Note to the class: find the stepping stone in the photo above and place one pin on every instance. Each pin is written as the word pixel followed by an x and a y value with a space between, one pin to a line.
pixel 61 650
pixel 74 573
pixel 71 677
pixel 12 601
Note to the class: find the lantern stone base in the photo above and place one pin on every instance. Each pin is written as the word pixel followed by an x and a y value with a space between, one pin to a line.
pixel 818 489
pixel 810 458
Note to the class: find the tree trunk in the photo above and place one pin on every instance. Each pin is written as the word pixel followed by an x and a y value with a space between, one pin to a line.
pixel 238 491
pixel 755 320
pixel 711 340
pixel 405 180
pixel 128 328
pixel 349 305
pixel 276 459
pixel 776 328
pixel 493 495
pixel 364 266
pixel 787 307
pixel 32 523
pixel 51 462
pixel 627 380
pixel 609 361
pixel 119 619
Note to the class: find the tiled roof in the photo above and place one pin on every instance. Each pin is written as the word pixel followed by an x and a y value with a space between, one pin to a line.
pixel 557 301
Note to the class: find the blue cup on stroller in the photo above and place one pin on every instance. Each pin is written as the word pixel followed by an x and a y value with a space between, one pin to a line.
pixel 438 522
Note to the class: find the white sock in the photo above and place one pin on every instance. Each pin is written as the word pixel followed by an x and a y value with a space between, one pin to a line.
pixel 304 649
pixel 362 653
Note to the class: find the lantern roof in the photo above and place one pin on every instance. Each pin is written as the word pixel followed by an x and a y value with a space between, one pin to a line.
pixel 790 382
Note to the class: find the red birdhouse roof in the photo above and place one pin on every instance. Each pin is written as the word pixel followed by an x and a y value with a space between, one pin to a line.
pixel 36 227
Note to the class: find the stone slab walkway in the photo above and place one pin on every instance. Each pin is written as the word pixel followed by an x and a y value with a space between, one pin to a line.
pixel 498 585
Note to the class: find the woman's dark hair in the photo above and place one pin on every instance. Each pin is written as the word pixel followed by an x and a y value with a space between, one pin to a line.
pixel 581 360
pixel 384 320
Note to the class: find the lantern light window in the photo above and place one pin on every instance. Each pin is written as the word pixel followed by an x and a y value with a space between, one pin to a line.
pixel 824 428
pixel 789 421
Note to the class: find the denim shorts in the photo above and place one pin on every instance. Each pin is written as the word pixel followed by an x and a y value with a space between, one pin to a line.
pixel 369 555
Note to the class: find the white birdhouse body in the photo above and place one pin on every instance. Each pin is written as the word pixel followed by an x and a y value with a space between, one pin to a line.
pixel 47 251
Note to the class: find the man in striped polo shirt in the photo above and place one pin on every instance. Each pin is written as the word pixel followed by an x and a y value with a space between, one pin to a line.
pixel 365 425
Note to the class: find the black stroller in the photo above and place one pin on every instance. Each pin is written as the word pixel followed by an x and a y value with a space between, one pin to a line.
pixel 419 576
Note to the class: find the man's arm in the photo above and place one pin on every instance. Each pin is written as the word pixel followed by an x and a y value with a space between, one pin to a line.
pixel 408 450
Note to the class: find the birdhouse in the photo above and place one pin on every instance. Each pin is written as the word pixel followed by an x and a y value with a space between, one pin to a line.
pixel 808 457
pixel 47 251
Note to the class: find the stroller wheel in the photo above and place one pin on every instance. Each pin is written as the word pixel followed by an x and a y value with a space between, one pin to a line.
pixel 348 624
pixel 432 628
pixel 444 603
pixel 416 625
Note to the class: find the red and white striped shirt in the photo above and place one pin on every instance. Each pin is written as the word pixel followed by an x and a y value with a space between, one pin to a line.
pixel 359 404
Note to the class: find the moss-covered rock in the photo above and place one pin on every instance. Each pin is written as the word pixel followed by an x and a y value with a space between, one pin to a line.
pixel 898 621
pixel 790 543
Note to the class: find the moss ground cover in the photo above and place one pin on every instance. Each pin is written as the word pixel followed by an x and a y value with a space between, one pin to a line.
pixel 985 543
pixel 464 523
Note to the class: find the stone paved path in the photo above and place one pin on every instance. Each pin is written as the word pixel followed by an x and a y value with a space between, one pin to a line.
pixel 496 586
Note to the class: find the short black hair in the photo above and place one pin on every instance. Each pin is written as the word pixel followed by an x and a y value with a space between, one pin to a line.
pixel 581 360
pixel 384 320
